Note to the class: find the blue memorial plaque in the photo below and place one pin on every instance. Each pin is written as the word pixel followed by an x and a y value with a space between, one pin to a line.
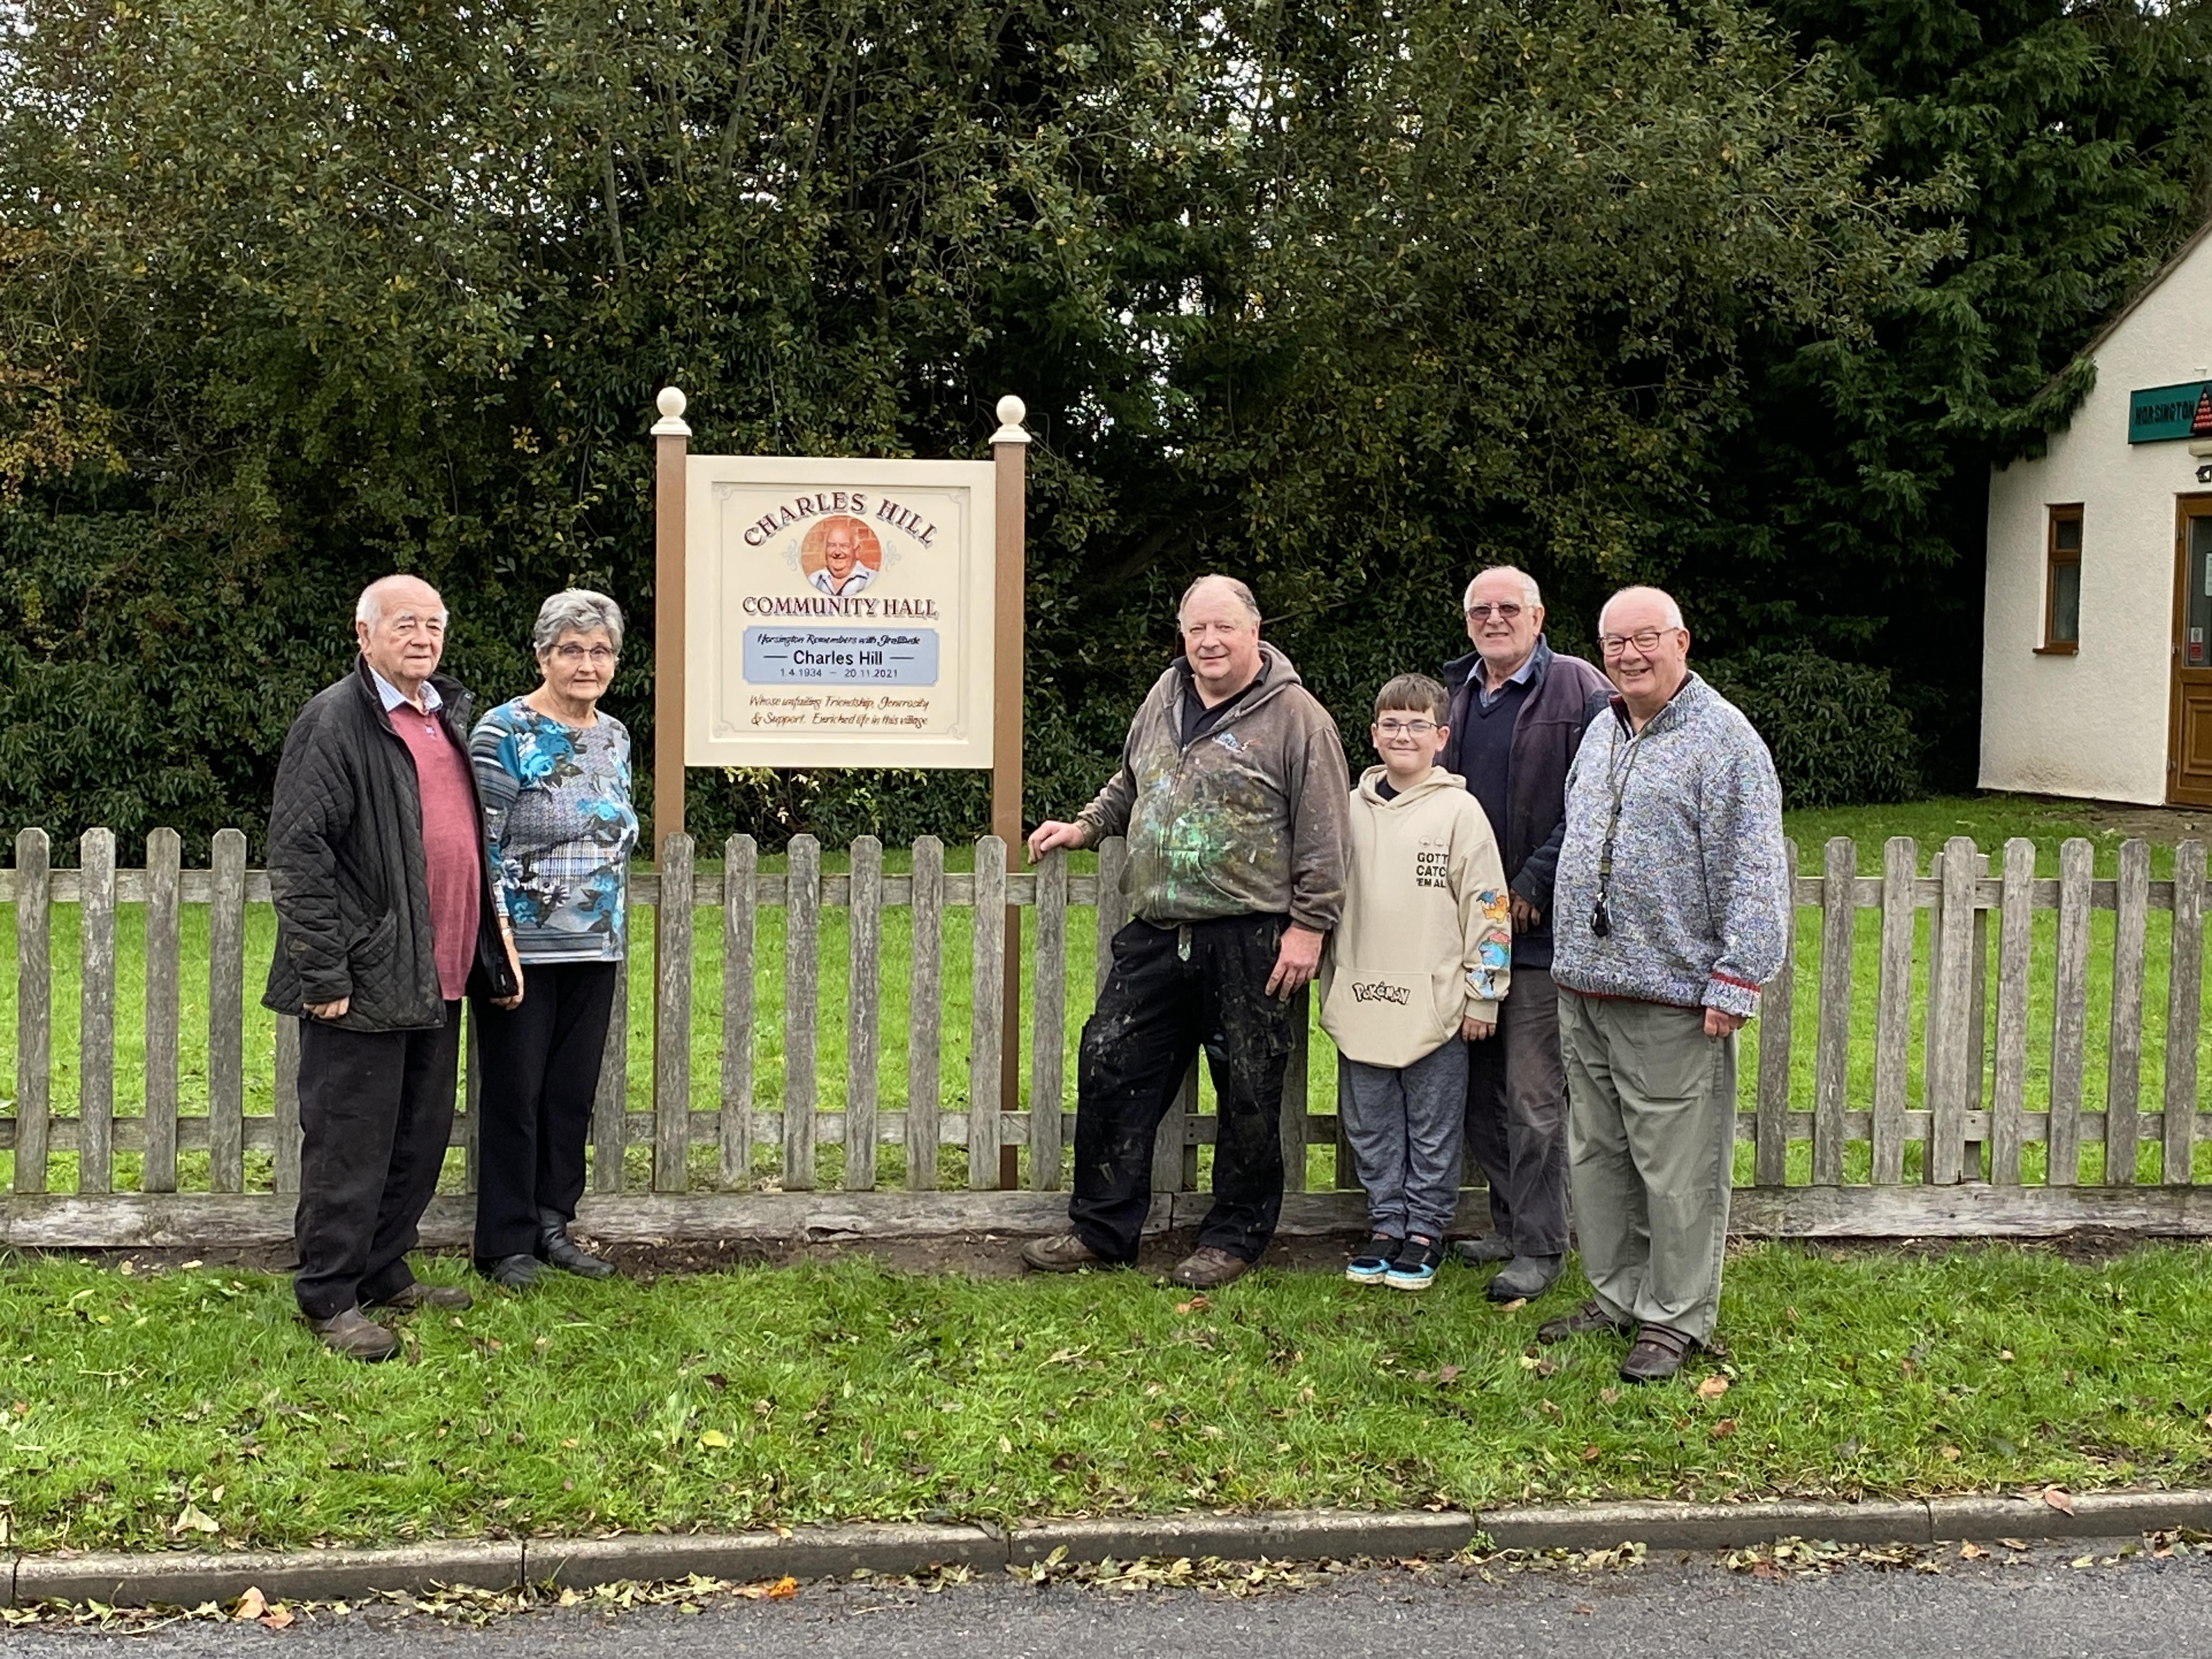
pixel 841 656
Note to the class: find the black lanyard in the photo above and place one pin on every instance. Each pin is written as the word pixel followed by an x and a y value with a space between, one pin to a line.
pixel 1617 769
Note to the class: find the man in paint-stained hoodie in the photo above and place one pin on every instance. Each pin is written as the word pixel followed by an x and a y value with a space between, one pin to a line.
pixel 1419 963
pixel 1231 792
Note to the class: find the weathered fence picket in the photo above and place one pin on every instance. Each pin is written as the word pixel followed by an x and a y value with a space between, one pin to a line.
pixel 802 945
pixel 1048 1053
pixel 2185 1007
pixel 925 1014
pixel 863 986
pixel 2124 1066
pixel 987 1011
pixel 672 1021
pixel 2069 1015
pixel 1971 1138
pixel 226 1014
pixel 33 1009
pixel 1893 1020
pixel 1771 1147
pixel 2016 948
pixel 740 858
pixel 164 865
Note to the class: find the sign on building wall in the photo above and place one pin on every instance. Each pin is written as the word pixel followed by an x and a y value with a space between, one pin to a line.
pixel 2161 412
pixel 839 612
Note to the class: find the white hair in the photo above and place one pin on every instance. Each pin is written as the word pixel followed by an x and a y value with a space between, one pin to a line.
pixel 370 607
pixel 1527 584
pixel 1670 612
pixel 576 611
pixel 1237 591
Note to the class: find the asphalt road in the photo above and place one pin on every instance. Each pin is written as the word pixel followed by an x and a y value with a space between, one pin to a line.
pixel 2035 1607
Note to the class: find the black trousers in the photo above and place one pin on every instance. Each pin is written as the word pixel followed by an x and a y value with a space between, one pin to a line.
pixel 540 1071
pixel 1172 991
pixel 376 1109
pixel 1516 1117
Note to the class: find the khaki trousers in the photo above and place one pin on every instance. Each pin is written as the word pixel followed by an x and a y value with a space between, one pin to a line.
pixel 1650 1139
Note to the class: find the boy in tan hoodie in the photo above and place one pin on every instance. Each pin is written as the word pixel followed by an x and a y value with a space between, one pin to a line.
pixel 1419 962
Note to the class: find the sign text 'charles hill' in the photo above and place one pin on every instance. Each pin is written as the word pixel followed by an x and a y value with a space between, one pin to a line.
pixel 823 502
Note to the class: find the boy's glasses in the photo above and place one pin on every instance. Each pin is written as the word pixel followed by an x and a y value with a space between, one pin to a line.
pixel 1404 728
pixel 1507 610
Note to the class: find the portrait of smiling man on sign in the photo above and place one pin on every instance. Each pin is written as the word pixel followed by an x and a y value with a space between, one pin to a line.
pixel 843 570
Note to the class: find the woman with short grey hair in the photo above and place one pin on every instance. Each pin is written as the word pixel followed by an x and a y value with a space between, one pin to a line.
pixel 555 775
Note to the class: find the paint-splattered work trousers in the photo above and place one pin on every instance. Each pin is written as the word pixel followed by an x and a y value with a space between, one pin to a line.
pixel 1171 991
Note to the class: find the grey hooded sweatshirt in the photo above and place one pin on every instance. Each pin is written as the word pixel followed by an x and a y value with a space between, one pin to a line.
pixel 1250 817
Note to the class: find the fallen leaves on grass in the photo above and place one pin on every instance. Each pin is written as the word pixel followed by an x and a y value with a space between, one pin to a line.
pixel 1713 1387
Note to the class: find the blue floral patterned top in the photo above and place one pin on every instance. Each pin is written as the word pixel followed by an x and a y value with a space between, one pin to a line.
pixel 559 829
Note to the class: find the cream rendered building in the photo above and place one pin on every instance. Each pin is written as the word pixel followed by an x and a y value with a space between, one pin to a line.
pixel 2097 623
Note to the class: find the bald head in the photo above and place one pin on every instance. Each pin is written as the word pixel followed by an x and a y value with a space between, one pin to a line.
pixel 399 622
pixel 1217 588
pixel 1656 601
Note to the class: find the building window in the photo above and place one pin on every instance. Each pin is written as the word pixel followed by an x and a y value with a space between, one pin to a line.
pixel 2062 602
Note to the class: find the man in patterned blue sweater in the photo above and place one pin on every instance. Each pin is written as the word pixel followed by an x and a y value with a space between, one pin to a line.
pixel 1671 909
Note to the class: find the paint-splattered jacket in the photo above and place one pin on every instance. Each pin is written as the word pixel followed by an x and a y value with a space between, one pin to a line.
pixel 1249 819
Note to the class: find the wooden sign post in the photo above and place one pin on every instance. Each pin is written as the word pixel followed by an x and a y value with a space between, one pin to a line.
pixel 672 442
pixel 829 624
pixel 1010 447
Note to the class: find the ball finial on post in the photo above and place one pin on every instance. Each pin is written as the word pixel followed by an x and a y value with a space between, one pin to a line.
pixel 670 403
pixel 1011 410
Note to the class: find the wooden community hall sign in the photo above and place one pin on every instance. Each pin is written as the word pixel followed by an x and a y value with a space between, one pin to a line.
pixel 834 612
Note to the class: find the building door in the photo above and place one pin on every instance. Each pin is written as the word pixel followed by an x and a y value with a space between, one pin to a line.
pixel 2189 741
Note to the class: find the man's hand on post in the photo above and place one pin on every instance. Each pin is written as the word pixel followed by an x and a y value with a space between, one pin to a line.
pixel 1525 914
pixel 1719 1025
pixel 1053 834
pixel 328 1010
pixel 1296 963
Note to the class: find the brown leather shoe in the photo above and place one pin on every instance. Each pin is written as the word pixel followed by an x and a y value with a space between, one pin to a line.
pixel 1658 1355
pixel 355 1336
pixel 1063 1253
pixel 1207 1269
pixel 416 1294
pixel 1587 1317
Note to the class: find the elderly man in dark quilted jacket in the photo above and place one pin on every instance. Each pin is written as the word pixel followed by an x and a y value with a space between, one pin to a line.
pixel 386 918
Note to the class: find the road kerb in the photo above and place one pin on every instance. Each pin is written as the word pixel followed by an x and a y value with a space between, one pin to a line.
pixel 186 1578
pixel 189 1578
pixel 1287 1535
pixel 799 1552
pixel 2086 1515
pixel 1705 1526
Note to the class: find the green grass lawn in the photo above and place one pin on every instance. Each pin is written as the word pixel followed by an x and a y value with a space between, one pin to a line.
pixel 1988 820
pixel 848 1392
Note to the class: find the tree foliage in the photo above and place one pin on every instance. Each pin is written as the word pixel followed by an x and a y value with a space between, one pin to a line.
pixel 1347 297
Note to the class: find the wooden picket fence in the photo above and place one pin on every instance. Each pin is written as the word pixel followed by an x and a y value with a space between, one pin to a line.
pixel 1832 1159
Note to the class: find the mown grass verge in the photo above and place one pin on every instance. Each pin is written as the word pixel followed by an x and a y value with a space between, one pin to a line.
pixel 150 1410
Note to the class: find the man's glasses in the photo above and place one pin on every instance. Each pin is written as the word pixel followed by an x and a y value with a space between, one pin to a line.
pixel 1404 728
pixel 1645 640
pixel 1506 612
pixel 598 655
